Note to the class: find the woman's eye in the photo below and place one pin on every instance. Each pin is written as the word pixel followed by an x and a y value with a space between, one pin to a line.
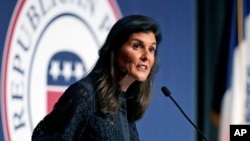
pixel 152 49
pixel 136 46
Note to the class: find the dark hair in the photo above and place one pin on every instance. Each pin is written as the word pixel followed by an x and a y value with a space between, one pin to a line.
pixel 139 93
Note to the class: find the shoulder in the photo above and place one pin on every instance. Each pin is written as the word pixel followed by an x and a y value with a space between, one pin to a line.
pixel 79 93
pixel 81 88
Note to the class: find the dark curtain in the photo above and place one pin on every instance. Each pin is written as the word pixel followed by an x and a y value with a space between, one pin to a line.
pixel 213 32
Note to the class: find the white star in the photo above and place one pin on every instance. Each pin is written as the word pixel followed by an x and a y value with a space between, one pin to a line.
pixel 55 69
pixel 67 70
pixel 79 70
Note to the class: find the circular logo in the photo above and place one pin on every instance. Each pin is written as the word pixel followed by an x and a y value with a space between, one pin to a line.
pixel 50 45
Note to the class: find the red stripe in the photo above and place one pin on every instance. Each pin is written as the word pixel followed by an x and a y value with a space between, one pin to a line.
pixel 115 8
pixel 52 98
pixel 13 22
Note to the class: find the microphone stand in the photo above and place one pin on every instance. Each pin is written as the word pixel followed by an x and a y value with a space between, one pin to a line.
pixel 168 94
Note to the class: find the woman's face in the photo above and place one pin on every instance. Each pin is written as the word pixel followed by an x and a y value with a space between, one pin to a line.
pixel 136 57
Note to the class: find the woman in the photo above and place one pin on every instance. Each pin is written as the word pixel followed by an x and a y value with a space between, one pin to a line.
pixel 105 105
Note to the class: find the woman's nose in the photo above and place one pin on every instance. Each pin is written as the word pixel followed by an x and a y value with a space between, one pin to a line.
pixel 144 55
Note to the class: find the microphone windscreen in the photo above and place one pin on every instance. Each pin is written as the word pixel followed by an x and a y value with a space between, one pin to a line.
pixel 166 91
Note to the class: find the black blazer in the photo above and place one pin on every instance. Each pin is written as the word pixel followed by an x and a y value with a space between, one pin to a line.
pixel 75 117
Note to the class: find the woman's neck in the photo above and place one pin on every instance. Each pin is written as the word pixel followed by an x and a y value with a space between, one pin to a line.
pixel 125 82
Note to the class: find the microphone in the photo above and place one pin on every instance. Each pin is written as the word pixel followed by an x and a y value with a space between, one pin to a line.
pixel 167 93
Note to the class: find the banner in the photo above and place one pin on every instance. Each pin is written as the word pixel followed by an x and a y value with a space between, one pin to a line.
pixel 236 101
pixel 49 45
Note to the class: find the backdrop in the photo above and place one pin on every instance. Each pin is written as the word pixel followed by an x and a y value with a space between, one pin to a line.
pixel 163 121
